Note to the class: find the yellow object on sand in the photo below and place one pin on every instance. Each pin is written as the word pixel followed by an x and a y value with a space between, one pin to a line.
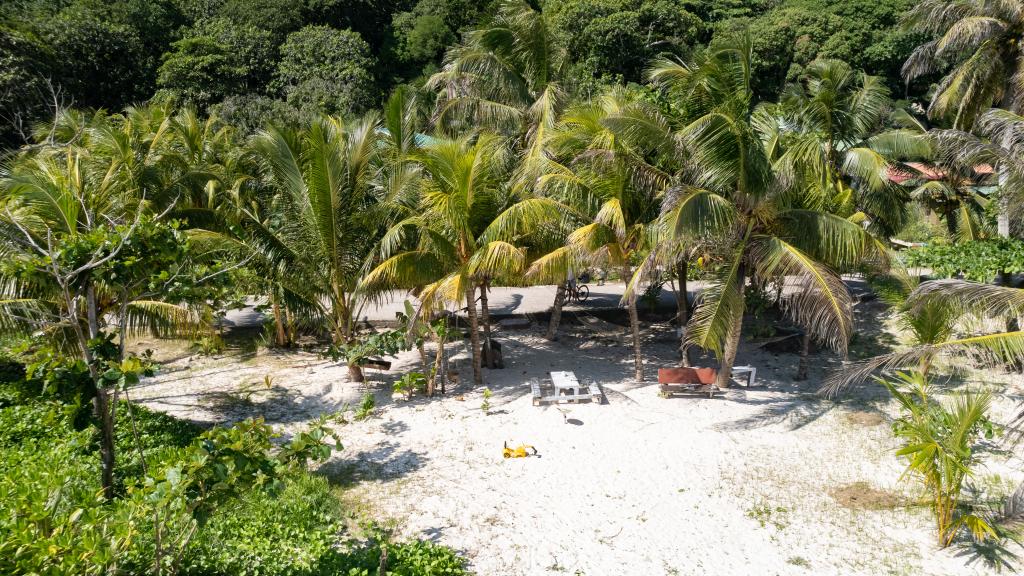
pixel 522 451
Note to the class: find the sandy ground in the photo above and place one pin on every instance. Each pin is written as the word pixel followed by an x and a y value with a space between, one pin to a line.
pixel 739 485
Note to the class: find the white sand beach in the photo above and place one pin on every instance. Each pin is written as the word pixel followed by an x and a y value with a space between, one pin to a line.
pixel 762 481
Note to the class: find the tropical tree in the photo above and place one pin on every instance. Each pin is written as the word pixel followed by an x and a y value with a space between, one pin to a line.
pixel 81 247
pixel 327 215
pixel 994 140
pixel 977 45
pixel 599 175
pixel 728 190
pixel 939 441
pixel 454 241
pixel 934 313
pixel 828 143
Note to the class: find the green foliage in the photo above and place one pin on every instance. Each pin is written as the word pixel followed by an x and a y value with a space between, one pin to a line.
pixel 366 407
pixel 940 440
pixel 294 532
pixel 411 383
pixel 486 404
pixel 145 433
pixel 216 59
pixel 978 260
pixel 618 38
pixel 384 343
pixel 793 33
pixel 325 69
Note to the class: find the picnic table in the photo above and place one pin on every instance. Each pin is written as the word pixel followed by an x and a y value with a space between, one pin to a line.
pixel 567 388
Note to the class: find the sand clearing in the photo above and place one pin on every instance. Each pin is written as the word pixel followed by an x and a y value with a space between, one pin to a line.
pixel 762 481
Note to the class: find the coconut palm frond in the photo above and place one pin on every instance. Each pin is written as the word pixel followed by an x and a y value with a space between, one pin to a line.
pixel 814 296
pixel 974 298
pixel 497 259
pixel 696 213
pixel 989 348
pixel 720 307
pixel 163 319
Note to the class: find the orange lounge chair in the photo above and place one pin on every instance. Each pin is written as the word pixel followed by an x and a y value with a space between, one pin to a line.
pixel 688 380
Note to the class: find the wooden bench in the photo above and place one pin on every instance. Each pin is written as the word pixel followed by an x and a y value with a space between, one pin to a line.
pixel 680 380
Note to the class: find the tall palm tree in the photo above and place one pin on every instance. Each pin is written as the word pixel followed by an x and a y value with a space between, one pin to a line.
pixel 996 139
pixel 731 193
pixel 600 173
pixel 454 241
pixel 827 141
pixel 978 45
pixel 328 214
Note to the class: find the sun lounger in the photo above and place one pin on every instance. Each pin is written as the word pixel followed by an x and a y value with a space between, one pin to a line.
pixel 688 380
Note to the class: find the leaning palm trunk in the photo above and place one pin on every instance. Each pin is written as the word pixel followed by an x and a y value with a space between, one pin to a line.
pixel 634 327
pixel 556 313
pixel 485 316
pixel 732 340
pixel 683 310
pixel 474 334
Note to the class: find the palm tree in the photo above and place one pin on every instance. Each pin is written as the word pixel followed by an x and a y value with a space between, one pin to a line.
pixel 996 139
pixel 828 146
pixel 611 190
pixel 505 76
pixel 939 439
pixel 730 193
pixel 978 47
pixel 327 214
pixel 454 241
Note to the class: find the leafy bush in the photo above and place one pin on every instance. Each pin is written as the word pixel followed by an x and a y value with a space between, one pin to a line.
pixel 156 433
pixel 978 260
pixel 410 383
pixel 292 533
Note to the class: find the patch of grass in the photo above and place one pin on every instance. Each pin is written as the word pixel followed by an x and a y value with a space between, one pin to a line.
pixel 767 515
pixel 799 561
pixel 862 496
pixel 862 418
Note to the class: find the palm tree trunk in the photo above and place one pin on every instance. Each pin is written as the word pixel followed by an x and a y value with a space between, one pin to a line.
pixel 683 309
pixel 556 313
pixel 474 334
pixel 732 341
pixel 634 327
pixel 280 337
pixel 436 372
pixel 805 356
pixel 485 313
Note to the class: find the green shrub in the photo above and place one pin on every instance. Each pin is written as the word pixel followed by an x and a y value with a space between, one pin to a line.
pixel 292 533
pixel 978 260
pixel 156 433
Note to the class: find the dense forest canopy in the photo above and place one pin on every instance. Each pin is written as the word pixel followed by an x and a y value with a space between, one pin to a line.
pixel 282 60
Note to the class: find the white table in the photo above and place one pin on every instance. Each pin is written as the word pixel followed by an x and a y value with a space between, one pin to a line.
pixel 565 382
pixel 567 388
pixel 750 371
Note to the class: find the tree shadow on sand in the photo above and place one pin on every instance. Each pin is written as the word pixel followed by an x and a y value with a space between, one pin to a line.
pixel 383 462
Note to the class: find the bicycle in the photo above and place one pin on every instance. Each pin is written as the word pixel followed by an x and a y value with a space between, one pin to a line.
pixel 578 293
